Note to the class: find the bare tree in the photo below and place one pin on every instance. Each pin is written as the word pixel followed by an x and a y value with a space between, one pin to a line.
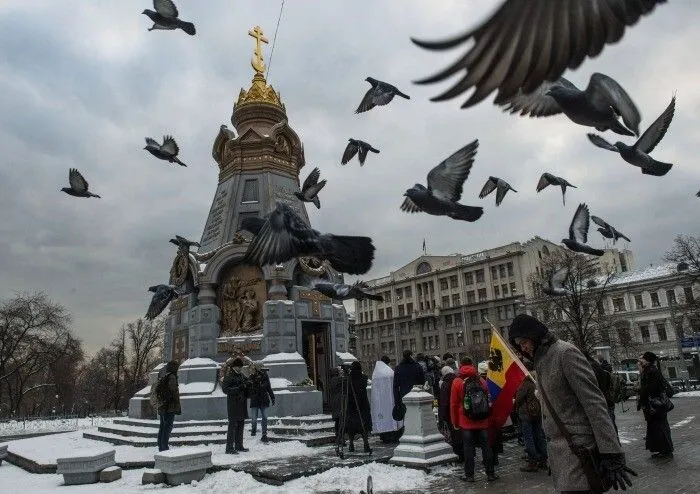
pixel 685 253
pixel 686 250
pixel 478 351
pixel 579 316
pixel 145 350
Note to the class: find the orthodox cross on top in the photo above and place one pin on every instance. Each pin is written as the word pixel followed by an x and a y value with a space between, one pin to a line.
pixel 257 60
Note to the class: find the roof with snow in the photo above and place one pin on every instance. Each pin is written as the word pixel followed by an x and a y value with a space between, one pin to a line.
pixel 642 275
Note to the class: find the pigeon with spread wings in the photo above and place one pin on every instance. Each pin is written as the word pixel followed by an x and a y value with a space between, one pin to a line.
pixel 166 17
pixel 78 185
pixel 311 188
pixel 381 93
pixel 445 184
pixel 167 151
pixel 354 147
pixel 183 242
pixel 578 233
pixel 638 154
pixel 162 296
pixel 527 42
pixel 597 106
pixel 607 230
pixel 555 284
pixel 549 179
pixel 341 291
pixel 497 184
pixel 283 235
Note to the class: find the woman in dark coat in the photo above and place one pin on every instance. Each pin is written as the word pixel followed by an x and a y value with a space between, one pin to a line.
pixel 658 439
pixel 261 396
pixel 448 375
pixel 236 386
pixel 358 419
pixel 335 392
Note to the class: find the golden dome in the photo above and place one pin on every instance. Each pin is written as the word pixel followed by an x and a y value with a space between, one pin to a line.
pixel 259 92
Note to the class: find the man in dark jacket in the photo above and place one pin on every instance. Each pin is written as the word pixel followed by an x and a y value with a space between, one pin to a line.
pixel 406 375
pixel 261 396
pixel 168 400
pixel 567 383
pixel 236 386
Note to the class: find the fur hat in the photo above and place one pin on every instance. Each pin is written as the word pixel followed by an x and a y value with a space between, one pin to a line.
pixel 447 370
pixel 525 326
pixel 649 357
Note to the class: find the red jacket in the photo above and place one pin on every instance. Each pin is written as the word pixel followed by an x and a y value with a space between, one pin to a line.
pixel 459 418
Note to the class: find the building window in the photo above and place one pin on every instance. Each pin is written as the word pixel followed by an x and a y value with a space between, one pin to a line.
pixel 661 331
pixel 402 311
pixel 618 304
pixel 380 314
pixel 423 268
pixel 445 302
pixel 474 316
pixel 510 269
pixel 671 297
pixel 510 311
pixel 468 278
pixel 655 300
pixel 501 311
pixel 638 302
pixel 250 191
pixel 482 294
pixel 413 344
pixel 443 283
pixel 496 291
pixel 458 319
pixel 471 297
pixel 409 308
pixel 504 290
pixel 408 292
pixel 425 343
pixel 487 335
pixel 484 314
pixel 688 294
pixel 479 275
pixel 399 293
pixel 502 270
pixel 513 288
pixel 454 281
pixel 476 336
pixel 387 296
pixel 644 331
pixel 244 215
pixel 450 340
pixel 494 272
pixel 448 320
pixel 389 313
pixel 455 300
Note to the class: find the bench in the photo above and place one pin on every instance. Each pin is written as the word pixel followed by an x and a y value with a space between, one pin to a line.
pixel 183 465
pixel 84 466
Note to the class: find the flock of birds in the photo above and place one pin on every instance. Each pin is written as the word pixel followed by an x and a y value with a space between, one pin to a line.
pixel 520 51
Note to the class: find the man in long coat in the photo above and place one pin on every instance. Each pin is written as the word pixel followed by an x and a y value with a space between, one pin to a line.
pixel 566 378
pixel 382 395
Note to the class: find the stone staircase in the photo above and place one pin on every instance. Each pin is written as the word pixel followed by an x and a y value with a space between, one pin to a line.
pixel 313 430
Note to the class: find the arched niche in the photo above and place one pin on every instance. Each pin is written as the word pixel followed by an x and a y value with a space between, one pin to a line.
pixel 423 267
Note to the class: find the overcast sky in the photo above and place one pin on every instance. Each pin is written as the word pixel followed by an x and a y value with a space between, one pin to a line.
pixel 81 85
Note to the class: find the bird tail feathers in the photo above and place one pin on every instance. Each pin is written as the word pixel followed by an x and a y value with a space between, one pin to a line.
pixel 317 202
pixel 351 255
pixel 188 27
pixel 466 213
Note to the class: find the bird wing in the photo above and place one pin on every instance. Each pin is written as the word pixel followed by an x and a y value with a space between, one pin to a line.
pixel 578 230
pixel 600 222
pixel 558 277
pixel 601 142
pixel 160 300
pixel 656 131
pixel 537 103
pixel 488 187
pixel 152 142
pixel 170 146
pixel 283 236
pixel 544 181
pixel 311 180
pixel 503 187
pixel 382 94
pixel 367 102
pixel 410 207
pixel 166 8
pixel 77 181
pixel 445 181
pixel 604 91
pixel 526 42
pixel 621 235
pixel 350 152
pixel 313 190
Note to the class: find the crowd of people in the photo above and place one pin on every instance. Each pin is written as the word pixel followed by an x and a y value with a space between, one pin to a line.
pixel 566 394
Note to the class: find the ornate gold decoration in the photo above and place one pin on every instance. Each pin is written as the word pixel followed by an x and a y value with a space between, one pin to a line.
pixel 282 146
pixel 260 92
pixel 240 299
pixel 257 61
pixel 238 238
pixel 180 267
pixel 312 266
pixel 315 298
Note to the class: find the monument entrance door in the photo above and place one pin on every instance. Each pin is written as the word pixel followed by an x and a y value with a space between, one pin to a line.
pixel 316 348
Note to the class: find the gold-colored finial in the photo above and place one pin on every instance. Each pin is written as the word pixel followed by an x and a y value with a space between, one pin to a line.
pixel 257 61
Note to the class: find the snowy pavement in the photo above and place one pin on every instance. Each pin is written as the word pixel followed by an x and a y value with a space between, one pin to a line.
pixel 18 427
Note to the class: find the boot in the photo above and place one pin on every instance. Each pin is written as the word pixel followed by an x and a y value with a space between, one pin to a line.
pixel 368 450
pixel 252 432
pixel 530 466
pixel 264 438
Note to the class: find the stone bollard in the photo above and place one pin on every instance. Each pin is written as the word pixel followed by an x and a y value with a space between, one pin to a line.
pixel 421 446
pixel 183 465
pixel 84 466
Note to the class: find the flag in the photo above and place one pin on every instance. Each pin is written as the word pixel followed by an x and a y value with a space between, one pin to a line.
pixel 506 373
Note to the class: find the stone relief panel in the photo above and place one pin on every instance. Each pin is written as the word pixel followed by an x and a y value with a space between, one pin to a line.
pixel 241 295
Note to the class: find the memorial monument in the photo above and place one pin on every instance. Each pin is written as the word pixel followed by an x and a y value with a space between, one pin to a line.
pixel 266 312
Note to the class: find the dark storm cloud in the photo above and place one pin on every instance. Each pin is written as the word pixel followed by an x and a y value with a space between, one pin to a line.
pixel 81 85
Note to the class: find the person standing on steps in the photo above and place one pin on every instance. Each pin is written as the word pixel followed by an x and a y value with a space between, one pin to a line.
pixel 358 419
pixel 166 398
pixel 236 386
pixel 261 396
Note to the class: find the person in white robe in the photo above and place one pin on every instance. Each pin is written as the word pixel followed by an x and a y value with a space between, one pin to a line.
pixel 382 402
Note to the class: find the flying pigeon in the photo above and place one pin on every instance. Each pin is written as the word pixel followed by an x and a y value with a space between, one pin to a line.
pixel 162 295
pixel 165 17
pixel 381 93
pixel 340 291
pixel 698 194
pixel 78 185
pixel 497 184
pixel 557 278
pixel 607 230
pixel 370 489
pixel 227 132
pixel 578 233
pixel 283 235
pixel 549 179
pixel 598 106
pixel 527 42
pixel 311 188
pixel 183 242
pixel 445 183
pixel 167 151
pixel 354 146
pixel 638 154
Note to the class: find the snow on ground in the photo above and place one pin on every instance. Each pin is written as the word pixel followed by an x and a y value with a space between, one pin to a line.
pixel 351 480
pixel 19 427
pixel 687 394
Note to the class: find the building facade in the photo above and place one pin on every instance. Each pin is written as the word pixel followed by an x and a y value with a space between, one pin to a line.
pixel 438 304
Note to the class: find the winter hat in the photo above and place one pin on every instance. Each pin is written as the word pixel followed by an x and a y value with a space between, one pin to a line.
pixel 447 370
pixel 525 326
pixel 483 367
pixel 649 357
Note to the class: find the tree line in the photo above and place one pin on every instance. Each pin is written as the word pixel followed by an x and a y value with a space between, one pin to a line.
pixel 44 370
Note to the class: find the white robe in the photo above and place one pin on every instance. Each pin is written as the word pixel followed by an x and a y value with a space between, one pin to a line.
pixel 383 399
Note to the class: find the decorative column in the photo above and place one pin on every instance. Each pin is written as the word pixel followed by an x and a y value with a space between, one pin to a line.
pixel 421 446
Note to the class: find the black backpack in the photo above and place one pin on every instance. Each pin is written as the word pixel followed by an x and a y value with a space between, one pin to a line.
pixel 476 400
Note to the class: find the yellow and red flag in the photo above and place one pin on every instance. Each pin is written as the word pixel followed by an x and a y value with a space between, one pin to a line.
pixel 506 373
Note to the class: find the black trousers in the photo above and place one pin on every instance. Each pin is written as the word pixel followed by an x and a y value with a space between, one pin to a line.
pixel 470 438
pixel 234 435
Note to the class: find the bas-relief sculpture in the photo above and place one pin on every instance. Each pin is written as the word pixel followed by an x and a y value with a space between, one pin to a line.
pixel 241 296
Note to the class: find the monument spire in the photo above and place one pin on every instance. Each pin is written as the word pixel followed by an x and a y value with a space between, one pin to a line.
pixel 260 91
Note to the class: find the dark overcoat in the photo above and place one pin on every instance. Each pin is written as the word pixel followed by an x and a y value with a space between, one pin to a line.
pixel 236 386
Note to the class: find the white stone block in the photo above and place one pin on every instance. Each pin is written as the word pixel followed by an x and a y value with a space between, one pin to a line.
pixel 84 466
pixel 183 465
pixel 152 476
pixel 110 474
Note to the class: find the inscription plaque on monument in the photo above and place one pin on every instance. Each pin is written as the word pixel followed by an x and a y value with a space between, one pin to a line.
pixel 216 217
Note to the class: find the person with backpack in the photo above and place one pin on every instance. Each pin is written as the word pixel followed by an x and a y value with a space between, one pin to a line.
pixel 165 396
pixel 236 386
pixel 530 417
pixel 469 413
